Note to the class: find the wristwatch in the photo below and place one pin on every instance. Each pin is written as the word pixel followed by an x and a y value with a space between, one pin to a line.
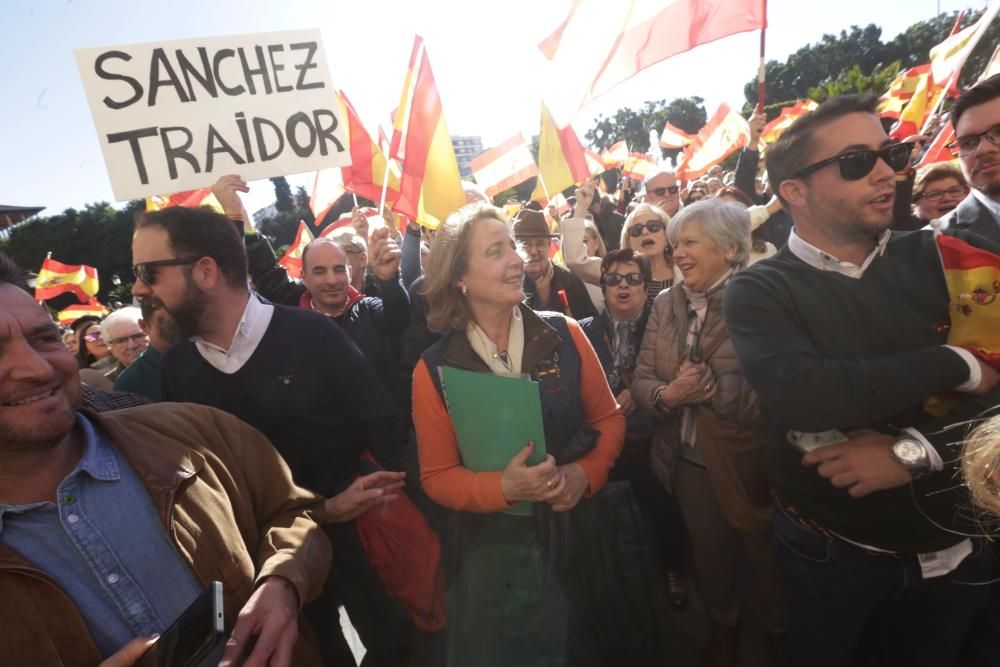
pixel 912 455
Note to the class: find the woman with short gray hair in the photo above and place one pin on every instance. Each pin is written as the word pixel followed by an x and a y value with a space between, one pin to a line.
pixel 708 447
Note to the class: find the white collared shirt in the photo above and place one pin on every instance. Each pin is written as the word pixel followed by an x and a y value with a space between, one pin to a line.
pixel 991 205
pixel 489 353
pixel 824 261
pixel 251 329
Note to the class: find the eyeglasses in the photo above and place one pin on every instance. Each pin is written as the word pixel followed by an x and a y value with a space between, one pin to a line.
pixel 855 165
pixel 93 337
pixel 145 270
pixel 635 231
pixel 967 145
pixel 615 279
pixel 123 340
pixel 659 192
pixel 936 195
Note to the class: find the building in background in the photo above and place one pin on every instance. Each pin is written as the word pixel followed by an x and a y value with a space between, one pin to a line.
pixel 15 215
pixel 466 148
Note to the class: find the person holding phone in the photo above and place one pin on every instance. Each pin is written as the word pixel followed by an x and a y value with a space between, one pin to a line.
pixel 111 524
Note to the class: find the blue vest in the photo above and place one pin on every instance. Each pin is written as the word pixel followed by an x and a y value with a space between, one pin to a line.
pixel 567 437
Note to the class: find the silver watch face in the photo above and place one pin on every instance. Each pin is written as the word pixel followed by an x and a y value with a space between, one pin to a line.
pixel 908 451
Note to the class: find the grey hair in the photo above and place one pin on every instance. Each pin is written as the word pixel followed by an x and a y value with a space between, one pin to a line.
pixel 348 239
pixel 726 224
pixel 126 314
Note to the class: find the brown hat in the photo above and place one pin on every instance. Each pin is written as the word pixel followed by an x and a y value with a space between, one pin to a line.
pixel 529 223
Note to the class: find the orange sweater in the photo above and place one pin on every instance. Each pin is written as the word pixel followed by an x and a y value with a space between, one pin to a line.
pixel 451 485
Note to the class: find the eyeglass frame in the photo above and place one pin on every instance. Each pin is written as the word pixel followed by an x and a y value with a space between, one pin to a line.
pixel 645 225
pixel 126 339
pixel 938 194
pixel 141 271
pixel 881 154
pixel 93 337
pixel 954 147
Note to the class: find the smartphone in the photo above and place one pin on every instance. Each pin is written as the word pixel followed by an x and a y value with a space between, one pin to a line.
pixel 808 442
pixel 195 633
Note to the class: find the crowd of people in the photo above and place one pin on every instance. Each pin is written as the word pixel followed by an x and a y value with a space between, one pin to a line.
pixel 733 373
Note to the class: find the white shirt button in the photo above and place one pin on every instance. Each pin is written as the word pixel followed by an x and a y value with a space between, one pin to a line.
pixel 113 578
pixel 72 518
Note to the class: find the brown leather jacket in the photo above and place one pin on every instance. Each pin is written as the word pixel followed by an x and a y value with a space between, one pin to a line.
pixel 226 500
pixel 734 457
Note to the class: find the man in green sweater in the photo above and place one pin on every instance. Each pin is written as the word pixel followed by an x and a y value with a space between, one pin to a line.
pixel 842 334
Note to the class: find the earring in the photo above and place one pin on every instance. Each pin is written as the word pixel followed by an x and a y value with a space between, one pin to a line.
pixel 465 290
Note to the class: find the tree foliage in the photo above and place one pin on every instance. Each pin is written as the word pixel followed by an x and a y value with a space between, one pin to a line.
pixel 98 235
pixel 283 225
pixel 633 126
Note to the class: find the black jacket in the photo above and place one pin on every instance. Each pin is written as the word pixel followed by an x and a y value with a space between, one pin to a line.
pixel 971 215
pixel 580 305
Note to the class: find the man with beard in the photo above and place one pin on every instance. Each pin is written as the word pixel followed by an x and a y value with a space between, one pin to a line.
pixel 143 375
pixel 548 285
pixel 976 119
pixel 295 375
pixel 840 335
pixel 111 524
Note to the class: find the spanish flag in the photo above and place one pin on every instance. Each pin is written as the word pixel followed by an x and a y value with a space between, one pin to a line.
pixel 71 314
pixel 561 160
pixel 190 199
pixel 972 276
pixel 430 186
pixel 367 172
pixel 639 166
pixel 901 91
pixel 924 100
pixel 292 259
pixel 785 119
pixel 615 155
pixel 55 278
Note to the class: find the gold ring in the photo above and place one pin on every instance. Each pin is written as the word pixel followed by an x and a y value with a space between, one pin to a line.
pixel 708 387
pixel 551 484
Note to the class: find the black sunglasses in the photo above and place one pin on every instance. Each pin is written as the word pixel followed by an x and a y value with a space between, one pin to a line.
pixel 855 165
pixel 145 271
pixel 659 192
pixel 635 231
pixel 615 279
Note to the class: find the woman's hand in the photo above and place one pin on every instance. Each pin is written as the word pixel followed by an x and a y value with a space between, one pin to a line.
pixel 694 384
pixel 540 483
pixel 363 494
pixel 576 485
pixel 625 401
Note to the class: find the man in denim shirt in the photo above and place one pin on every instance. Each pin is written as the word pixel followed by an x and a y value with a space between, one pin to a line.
pixel 111 525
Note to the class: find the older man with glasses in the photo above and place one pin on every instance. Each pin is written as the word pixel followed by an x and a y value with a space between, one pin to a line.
pixel 662 190
pixel 976 118
pixel 121 332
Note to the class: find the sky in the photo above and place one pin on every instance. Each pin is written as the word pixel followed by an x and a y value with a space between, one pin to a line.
pixel 483 52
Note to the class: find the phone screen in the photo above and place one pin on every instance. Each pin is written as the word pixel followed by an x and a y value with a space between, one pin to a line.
pixel 194 634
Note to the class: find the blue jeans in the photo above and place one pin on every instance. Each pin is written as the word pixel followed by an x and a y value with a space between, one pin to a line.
pixel 834 589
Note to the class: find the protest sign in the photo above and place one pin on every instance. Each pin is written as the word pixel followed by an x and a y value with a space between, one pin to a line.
pixel 176 115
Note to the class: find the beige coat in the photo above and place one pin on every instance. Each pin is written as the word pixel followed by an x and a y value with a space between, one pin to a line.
pixel 730 428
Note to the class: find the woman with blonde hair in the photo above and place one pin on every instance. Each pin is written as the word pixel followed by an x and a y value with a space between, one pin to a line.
pixel 509 588
pixel 645 231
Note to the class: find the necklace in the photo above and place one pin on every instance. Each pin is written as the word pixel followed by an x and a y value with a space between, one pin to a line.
pixel 502 357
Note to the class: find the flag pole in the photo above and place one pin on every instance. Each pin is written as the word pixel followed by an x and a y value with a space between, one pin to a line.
pixel 545 190
pixel 415 73
pixel 761 72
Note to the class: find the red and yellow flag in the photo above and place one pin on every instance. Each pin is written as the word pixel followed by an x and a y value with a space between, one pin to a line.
pixel 292 259
pixel 674 137
pixel 430 186
pixel 71 314
pixel 190 199
pixel 594 162
pixel 785 119
pixel 55 278
pixel 561 160
pixel 973 279
pixel 725 132
pixel 367 172
pixel 638 166
pixel 925 99
pixel 901 91
pixel 615 155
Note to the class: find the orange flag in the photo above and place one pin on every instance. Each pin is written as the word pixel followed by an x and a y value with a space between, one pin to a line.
pixel 55 278
pixel 430 186
pixel 724 133
pixel 292 259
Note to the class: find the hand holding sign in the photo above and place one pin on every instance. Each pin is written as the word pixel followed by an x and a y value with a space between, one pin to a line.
pixel 225 190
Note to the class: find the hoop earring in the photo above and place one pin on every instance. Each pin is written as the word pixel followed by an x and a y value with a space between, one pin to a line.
pixel 464 290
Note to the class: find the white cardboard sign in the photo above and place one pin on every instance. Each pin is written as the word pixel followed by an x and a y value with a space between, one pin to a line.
pixel 174 116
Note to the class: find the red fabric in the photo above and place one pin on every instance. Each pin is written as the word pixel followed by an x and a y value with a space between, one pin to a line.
pixel 406 555
pixel 353 296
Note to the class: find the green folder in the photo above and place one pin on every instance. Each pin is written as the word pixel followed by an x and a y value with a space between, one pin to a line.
pixel 494 417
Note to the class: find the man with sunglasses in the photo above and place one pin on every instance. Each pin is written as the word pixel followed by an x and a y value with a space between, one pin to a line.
pixel 842 335
pixel 976 119
pixel 662 190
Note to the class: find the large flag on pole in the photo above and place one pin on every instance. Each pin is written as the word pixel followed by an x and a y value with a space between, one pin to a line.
pixel 503 167
pixel 594 162
pixel 922 104
pixel 292 259
pixel 561 160
pixel 725 132
pixel 55 278
pixel 601 44
pixel 71 314
pixel 901 91
pixel 430 186
pixel 948 57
